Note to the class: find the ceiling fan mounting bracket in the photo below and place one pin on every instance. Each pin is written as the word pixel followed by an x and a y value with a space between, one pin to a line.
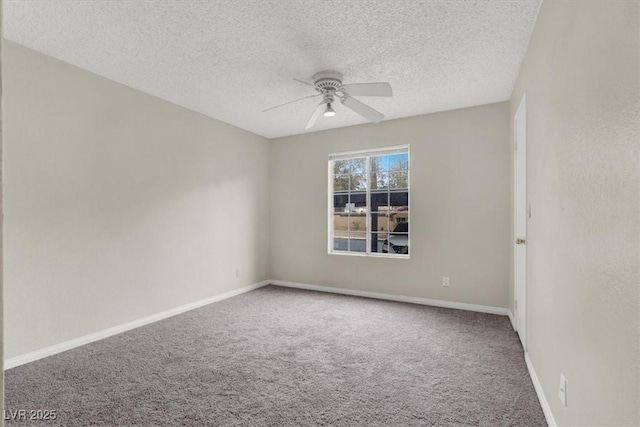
pixel 327 81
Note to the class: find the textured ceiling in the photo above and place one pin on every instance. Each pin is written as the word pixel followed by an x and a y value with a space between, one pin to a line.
pixel 231 59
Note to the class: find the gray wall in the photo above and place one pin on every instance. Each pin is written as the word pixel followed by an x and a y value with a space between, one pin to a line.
pixel 581 78
pixel 119 205
pixel 459 208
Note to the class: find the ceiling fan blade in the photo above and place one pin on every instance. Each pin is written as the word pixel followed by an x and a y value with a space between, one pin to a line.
pixel 291 102
pixel 368 89
pixel 362 109
pixel 316 114
pixel 300 81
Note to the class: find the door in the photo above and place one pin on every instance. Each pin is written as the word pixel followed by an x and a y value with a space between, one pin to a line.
pixel 520 220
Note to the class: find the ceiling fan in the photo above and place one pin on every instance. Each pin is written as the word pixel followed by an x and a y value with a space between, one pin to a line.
pixel 329 85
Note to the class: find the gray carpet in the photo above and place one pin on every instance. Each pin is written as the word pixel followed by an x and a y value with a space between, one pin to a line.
pixel 286 357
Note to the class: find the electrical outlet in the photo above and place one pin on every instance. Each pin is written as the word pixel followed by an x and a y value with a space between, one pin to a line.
pixel 237 272
pixel 562 391
pixel 446 281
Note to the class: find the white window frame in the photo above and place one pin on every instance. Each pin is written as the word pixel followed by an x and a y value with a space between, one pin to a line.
pixel 366 153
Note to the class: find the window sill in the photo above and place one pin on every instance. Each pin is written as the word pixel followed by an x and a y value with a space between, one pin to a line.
pixel 370 255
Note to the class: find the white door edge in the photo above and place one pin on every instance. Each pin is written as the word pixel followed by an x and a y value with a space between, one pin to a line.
pixel 520 218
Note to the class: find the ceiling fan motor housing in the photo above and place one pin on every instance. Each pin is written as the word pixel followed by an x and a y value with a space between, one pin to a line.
pixel 327 81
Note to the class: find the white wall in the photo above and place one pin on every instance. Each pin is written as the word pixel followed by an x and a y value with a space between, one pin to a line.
pixel 119 205
pixel 459 208
pixel 581 78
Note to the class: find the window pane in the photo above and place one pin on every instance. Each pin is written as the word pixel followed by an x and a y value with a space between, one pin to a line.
pixel 340 243
pixel 399 162
pixel 341 225
pixel 340 167
pixel 358 182
pixel 358 222
pixel 357 242
pixel 379 201
pixel 398 180
pixel 397 244
pixel 341 183
pixel 379 221
pixel 378 241
pixel 359 202
pixel 399 222
pixel 358 165
pixel 399 200
pixel 379 163
pixel 340 202
pixel 379 180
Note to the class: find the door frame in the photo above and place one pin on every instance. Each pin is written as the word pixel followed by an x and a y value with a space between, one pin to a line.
pixel 519 280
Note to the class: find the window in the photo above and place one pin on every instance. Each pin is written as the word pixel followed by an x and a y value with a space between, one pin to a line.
pixel 369 202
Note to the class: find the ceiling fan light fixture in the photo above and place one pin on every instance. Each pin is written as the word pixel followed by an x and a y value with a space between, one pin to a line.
pixel 329 112
pixel 328 84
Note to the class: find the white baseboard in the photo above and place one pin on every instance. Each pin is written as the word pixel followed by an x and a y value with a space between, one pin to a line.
pixel 77 342
pixel 400 298
pixel 513 320
pixel 541 397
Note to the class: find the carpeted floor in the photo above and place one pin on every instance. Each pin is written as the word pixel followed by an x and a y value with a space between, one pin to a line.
pixel 286 357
